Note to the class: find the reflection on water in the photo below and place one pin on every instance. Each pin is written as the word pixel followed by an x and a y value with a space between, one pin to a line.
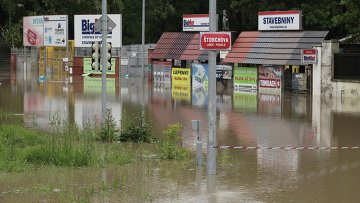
pixel 243 119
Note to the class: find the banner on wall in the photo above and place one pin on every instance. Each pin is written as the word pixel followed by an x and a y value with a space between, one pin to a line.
pixel 270 77
pixel 181 76
pixel 85 32
pixel 223 72
pixel 33 31
pixel 200 75
pixel 55 30
pixel 89 69
pixel 161 71
pixel 245 78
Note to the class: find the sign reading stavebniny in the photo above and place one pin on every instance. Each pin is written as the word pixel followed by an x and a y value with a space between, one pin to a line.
pixel 280 20
pixel 308 56
pixel 215 41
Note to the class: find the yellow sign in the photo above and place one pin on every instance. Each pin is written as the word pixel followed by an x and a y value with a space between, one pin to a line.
pixel 181 92
pixel 181 76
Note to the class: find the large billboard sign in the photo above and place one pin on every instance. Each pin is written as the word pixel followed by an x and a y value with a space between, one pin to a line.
pixel 198 22
pixel 280 20
pixel 85 32
pixel 245 78
pixel 270 77
pixel 55 30
pixel 33 31
pixel 215 41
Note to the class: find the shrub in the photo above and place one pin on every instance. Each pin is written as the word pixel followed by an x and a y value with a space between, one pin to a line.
pixel 108 131
pixel 136 127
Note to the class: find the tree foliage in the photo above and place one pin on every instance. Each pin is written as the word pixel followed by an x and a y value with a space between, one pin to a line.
pixel 340 17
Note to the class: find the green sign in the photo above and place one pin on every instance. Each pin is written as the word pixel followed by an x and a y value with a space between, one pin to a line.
pixel 245 78
pixel 88 68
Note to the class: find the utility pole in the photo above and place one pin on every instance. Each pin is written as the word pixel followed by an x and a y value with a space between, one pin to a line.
pixel 143 39
pixel 104 58
pixel 211 139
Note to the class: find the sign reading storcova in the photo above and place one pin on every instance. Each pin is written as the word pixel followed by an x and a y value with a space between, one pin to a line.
pixel 280 20
pixel 86 33
pixel 308 56
pixel 33 28
pixel 198 22
pixel 55 30
pixel 215 41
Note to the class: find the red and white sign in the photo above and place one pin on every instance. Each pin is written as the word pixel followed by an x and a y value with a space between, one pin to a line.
pixel 197 22
pixel 280 20
pixel 308 56
pixel 270 83
pixel 215 41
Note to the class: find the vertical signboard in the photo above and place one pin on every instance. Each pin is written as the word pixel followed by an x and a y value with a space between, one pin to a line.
pixel 85 32
pixel 199 22
pixel 181 84
pixel 181 76
pixel 280 20
pixel 55 30
pixel 245 78
pixel 270 77
pixel 200 76
pixel 33 28
pixel 308 56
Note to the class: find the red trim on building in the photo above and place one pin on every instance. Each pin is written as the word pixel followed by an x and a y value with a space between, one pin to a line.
pixel 196 16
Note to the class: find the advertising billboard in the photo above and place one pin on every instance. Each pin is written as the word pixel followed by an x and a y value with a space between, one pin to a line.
pixel 245 78
pixel 223 72
pixel 161 71
pixel 270 77
pixel 199 22
pixel 200 77
pixel 280 20
pixel 55 30
pixel 89 69
pixel 33 31
pixel 308 56
pixel 181 76
pixel 85 32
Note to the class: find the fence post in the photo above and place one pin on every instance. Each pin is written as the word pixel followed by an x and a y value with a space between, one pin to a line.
pixel 196 125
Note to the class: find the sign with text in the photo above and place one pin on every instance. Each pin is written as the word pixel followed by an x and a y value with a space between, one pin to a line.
pixel 161 71
pixel 198 22
pixel 245 78
pixel 270 77
pixel 55 30
pixel 181 76
pixel 85 32
pixel 215 41
pixel 33 31
pixel 280 20
pixel 308 56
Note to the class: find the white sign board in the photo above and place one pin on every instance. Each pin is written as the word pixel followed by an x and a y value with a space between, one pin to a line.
pixel 33 28
pixel 280 20
pixel 198 22
pixel 55 30
pixel 308 56
pixel 85 32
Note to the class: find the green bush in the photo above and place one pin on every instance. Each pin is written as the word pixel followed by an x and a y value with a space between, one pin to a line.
pixel 170 145
pixel 108 131
pixel 136 127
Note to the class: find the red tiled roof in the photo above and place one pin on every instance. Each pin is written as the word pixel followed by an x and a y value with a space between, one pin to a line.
pixel 275 48
pixel 177 45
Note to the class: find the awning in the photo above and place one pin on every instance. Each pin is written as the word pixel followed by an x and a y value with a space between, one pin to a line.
pixel 178 45
pixel 273 48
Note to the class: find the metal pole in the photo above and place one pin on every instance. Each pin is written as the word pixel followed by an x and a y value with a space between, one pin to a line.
pixel 196 125
pixel 211 139
pixel 143 38
pixel 103 58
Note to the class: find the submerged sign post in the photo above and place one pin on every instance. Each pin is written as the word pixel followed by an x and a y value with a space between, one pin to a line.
pixel 280 20
pixel 215 41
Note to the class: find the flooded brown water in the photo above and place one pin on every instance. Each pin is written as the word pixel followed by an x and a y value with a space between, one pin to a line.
pixel 243 119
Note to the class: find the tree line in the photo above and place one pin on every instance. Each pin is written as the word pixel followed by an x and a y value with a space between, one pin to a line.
pixel 340 17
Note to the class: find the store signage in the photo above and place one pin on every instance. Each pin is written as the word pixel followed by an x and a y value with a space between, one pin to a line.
pixel 85 31
pixel 245 78
pixel 215 41
pixel 280 20
pixel 33 31
pixel 196 22
pixel 55 30
pixel 308 56
pixel 181 76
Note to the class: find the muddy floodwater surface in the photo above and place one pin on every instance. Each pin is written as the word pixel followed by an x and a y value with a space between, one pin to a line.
pixel 282 119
